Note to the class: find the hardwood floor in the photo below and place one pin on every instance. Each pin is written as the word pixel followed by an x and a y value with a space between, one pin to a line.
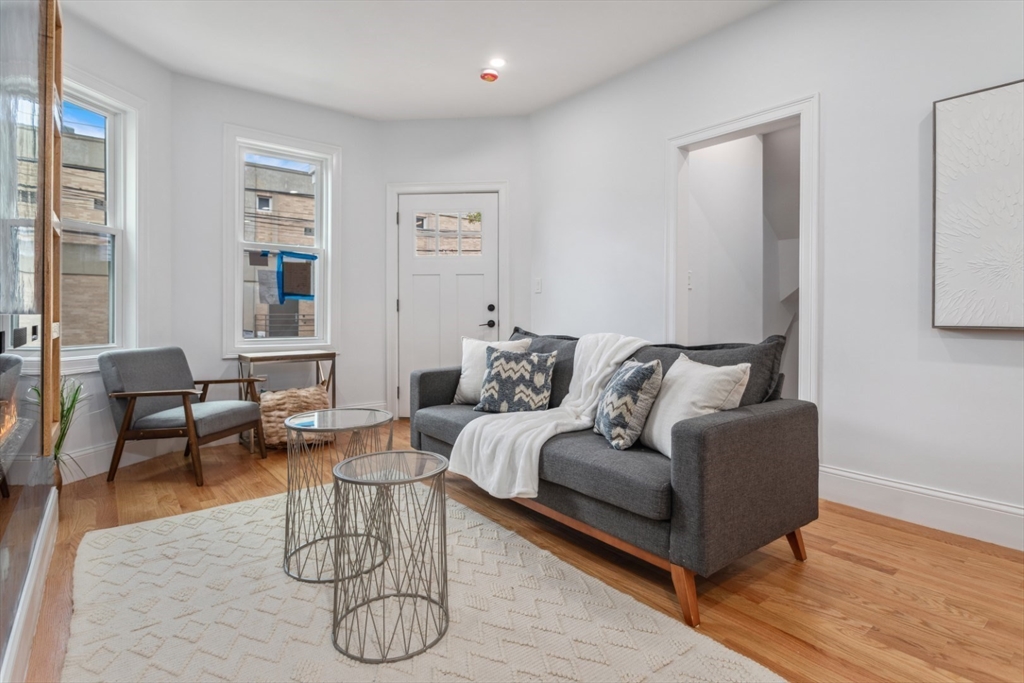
pixel 877 600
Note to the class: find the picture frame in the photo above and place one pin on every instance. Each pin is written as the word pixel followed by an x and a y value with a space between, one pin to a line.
pixel 978 209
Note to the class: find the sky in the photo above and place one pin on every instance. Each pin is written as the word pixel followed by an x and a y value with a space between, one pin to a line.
pixel 83 121
pixel 279 163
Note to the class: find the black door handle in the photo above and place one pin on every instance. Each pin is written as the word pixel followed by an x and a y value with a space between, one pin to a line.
pixel 489 323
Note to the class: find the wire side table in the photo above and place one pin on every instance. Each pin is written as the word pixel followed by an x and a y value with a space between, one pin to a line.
pixel 391 561
pixel 317 441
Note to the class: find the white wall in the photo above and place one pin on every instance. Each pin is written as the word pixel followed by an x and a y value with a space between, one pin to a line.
pixel 725 234
pixel 182 219
pixel 781 187
pixel 923 424
pixel 201 110
pixel 474 150
pixel 91 57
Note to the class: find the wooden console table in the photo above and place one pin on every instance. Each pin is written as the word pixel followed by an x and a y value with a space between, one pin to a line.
pixel 246 362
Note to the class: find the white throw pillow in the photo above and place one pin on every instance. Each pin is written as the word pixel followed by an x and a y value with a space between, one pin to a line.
pixel 474 366
pixel 690 389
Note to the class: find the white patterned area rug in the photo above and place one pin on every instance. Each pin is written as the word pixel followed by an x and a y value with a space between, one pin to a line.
pixel 203 597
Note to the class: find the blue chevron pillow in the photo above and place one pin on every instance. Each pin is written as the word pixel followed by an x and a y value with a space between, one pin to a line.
pixel 516 382
pixel 625 402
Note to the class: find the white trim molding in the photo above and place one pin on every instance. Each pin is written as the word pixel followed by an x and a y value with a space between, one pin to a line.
pixel 14 666
pixel 980 518
pixel 807 111
pixel 126 114
pixel 236 140
pixel 505 292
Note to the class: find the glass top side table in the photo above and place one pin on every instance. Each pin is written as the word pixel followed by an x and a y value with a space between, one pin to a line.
pixel 391 561
pixel 317 441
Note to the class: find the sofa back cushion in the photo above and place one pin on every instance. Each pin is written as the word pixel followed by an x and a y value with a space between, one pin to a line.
pixel 764 358
pixel 565 347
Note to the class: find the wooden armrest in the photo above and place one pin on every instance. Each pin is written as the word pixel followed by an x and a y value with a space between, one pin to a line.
pixel 233 380
pixel 158 392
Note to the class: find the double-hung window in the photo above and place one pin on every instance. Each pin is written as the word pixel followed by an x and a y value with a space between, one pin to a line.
pixel 97 210
pixel 278 228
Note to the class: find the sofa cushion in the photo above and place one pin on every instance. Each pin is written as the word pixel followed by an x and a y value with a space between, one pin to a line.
pixel 444 422
pixel 638 480
pixel 210 418
pixel 689 390
pixel 474 366
pixel 764 358
pixel 516 382
pixel 566 350
pixel 625 402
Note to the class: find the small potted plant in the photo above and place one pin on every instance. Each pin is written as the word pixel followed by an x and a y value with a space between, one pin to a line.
pixel 70 397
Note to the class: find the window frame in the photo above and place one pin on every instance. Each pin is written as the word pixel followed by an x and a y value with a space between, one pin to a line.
pixel 239 141
pixel 122 143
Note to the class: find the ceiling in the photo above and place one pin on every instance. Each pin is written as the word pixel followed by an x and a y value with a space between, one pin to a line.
pixel 415 59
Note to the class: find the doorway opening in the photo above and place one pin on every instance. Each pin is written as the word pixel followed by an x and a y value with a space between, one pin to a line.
pixel 743 240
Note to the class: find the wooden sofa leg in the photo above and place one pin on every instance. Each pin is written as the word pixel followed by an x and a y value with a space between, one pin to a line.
pixel 188 449
pixel 686 591
pixel 796 542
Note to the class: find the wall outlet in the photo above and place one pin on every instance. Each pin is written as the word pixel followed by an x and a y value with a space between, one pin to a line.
pixel 538 285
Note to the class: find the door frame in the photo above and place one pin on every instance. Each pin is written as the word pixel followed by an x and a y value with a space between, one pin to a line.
pixel 505 302
pixel 811 283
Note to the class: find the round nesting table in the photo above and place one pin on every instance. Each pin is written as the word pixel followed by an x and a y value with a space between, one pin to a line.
pixel 391 562
pixel 317 441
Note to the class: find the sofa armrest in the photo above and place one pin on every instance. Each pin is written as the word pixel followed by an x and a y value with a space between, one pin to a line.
pixel 741 479
pixel 430 388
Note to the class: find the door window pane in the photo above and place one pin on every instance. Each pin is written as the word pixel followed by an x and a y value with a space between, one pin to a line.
pixel 87 288
pixel 426 234
pixel 470 230
pixel 264 315
pixel 84 165
pixel 280 200
pixel 448 234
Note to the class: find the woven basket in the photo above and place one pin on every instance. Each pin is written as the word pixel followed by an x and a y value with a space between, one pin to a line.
pixel 277 406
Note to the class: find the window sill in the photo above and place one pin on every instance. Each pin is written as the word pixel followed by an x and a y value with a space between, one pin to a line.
pixel 69 365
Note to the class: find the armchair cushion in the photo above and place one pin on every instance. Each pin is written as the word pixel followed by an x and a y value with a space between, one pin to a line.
pixel 145 370
pixel 210 417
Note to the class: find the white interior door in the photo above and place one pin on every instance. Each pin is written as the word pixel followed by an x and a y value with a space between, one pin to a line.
pixel 447 279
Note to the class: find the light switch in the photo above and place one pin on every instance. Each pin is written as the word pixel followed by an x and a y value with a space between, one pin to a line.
pixel 538 285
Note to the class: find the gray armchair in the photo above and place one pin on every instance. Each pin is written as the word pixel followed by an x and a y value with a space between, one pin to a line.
pixel 153 396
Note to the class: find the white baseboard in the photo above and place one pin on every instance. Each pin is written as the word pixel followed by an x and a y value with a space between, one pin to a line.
pixel 986 520
pixel 14 667
pixel 89 462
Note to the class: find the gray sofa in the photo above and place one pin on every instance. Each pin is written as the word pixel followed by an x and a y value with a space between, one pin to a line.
pixel 736 480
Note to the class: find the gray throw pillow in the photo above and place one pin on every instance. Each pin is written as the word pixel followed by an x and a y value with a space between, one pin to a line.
pixel 625 402
pixel 516 382
pixel 561 377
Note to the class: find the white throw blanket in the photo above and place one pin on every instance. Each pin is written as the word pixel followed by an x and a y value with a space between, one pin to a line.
pixel 501 452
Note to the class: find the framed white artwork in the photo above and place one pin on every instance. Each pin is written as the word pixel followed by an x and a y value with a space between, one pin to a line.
pixel 978 209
